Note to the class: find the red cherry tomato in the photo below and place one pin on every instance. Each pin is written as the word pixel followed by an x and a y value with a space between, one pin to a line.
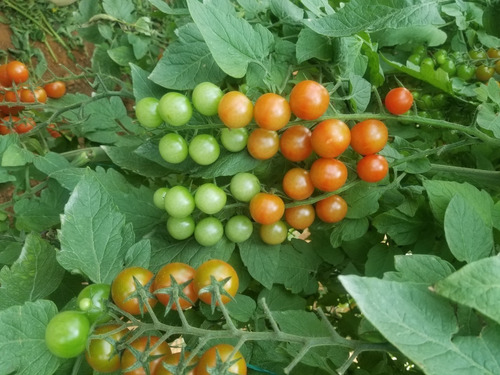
pixel 330 138
pixel 209 360
pixel 28 95
pixel 295 143
pixel 219 270
pixel 297 184
pixel 372 168
pixel 309 100
pixel 18 72
pixel 55 90
pixel 124 286
pixel 143 344
pixel 271 111
pixel 369 136
pixel 328 174
pixel 332 209
pixel 398 100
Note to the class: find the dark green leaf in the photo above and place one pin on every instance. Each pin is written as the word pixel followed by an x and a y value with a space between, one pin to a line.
pixel 143 86
pixel 286 11
pixel 260 259
pixel 348 230
pixel 241 308
pixel 165 8
pixel 279 299
pixel 403 229
pixel 428 35
pixel 126 158
pixel 380 260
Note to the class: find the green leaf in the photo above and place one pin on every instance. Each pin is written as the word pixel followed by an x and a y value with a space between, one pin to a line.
pixel 422 327
pixel 228 164
pixel 16 156
pixel 279 299
pixel 94 237
pixel 312 45
pixel 420 268
pixel 126 158
pixel 51 162
pixel 260 259
pixel 360 93
pixel 380 260
pixel 362 200
pixel 348 230
pixel 139 254
pixel 35 274
pixel 490 24
pixel 468 236
pixel 233 42
pixel 428 35
pixel 241 308
pixel 318 7
pixel 476 285
pixel 403 229
pixel 9 251
pixel 187 62
pixel 22 341
pixel 122 55
pixel 488 118
pixel 120 9
pixel 286 11
pixel 357 15
pixel 167 9
pixel 142 85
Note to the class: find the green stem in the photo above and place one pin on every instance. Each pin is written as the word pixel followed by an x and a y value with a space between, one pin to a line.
pixel 471 174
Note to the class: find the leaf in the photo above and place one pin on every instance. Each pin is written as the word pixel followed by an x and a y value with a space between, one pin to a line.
pixel 422 327
pixel 286 11
pixel 348 230
pixel 428 35
pixel 228 164
pixel 167 9
pixel 144 87
pixel 187 62
pixel 51 162
pixel 360 93
pixel 15 156
pixel 94 237
pixel 318 7
pixel 122 55
pixel 468 236
pixel 35 274
pixel 420 268
pixel 22 341
pixel 380 260
pixel 279 299
pixel 241 308
pixel 357 15
pixel 126 158
pixel 476 285
pixel 260 259
pixel 120 9
pixel 312 45
pixel 139 254
pixel 362 200
pixel 490 24
pixel 233 42
pixel 403 229
pixel 489 118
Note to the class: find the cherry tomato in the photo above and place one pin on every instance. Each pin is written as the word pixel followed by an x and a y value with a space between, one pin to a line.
pixel 208 231
pixel 209 198
pixel 328 174
pixel 180 228
pixel 51 128
pixel 369 136
pixel 309 100
pixel 24 125
pixel 172 361
pixel 173 148
pixel 234 140
pixel 159 197
pixel 235 110
pixel 300 217
pixel 146 111
pixel 415 59
pixel 142 345
pixel 5 129
pixel 466 72
pixel 5 81
pixel 449 67
pixel 427 61
pixel 295 143
pixel 12 97
pixel 209 360
pixel 219 270
pixel 55 90
pixel 493 53
pixel 244 186
pixel 399 100
pixel 273 234
pixel 206 97
pixel 297 184
pixel 271 111
pixel 182 273
pixel 204 149
pixel 38 95
pixel 175 109
pixel 477 54
pixel 239 228
pixel 101 353
pixel 266 208
pixel 497 67
pixel 484 73
pixel 330 138
pixel 441 56
pixel 124 285
pixel 92 300
pixel 372 168
pixel 18 72
pixel 332 209
pixel 66 334
pixel 179 202
pixel 263 144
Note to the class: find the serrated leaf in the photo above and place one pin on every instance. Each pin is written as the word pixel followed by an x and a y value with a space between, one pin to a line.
pixel 167 9
pixel 260 259
pixel 488 118
pixel 312 45
pixel 126 158
pixel 422 327
pixel 142 85
pixel 468 236
pixel 357 15
pixel 122 55
pixel 476 285
pixel 380 260
pixel 348 230
pixel 139 254
pixel 420 268
pixel 16 156
pixel 22 341
pixel 360 93
pixel 233 42
pixel 362 200
pixel 241 308
pixel 120 9
pixel 279 299
pixel 428 35
pixel 318 7
pixel 228 164
pixel 286 11
pixel 403 229
pixel 51 162
pixel 35 274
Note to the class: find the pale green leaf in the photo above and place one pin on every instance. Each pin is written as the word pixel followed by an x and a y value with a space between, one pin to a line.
pixel 312 45
pixel 420 268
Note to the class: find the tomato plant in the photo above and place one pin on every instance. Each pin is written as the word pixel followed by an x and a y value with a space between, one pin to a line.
pixel 181 273
pixel 238 228
pixel 244 186
pixel 300 217
pixel 204 149
pixel 179 202
pixel 146 111
pixel 219 271
pixel 66 334
pixel 266 208
pixel 101 353
pixel 144 345
pixel 330 138
pixel 369 136
pixel 175 109
pixel 274 233
pixel 234 140
pixel 180 228
pixel 125 290
pixel 17 72
pixel 38 94
pixel 208 231
pixel 309 100
pixel 332 209
pixel 223 351
pixel 173 148
pixel 235 109
pixel 173 361
pixel 209 198
pixel 271 111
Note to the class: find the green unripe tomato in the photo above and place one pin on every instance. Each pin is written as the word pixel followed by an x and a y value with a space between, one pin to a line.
pixel 159 197
pixel 66 334
pixel 179 202
pixel 441 56
pixel 244 186
pixel 209 198
pixel 175 109
pixel 239 228
pixel 206 97
pixel 92 300
pixel 204 149
pixel 180 228
pixel 146 111
pixel 234 140
pixel 466 72
pixel 208 231
pixel 173 148
pixel 449 67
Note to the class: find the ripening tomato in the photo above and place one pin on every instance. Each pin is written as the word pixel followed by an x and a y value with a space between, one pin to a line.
pixel 372 168
pixel 399 100
pixel 295 143
pixel 142 345
pixel 38 94
pixel 5 81
pixel 173 360
pixel 369 136
pixel 297 184
pixel 55 90
pixel 24 125
pixel 266 208
pixel 235 109
pixel 124 286
pixel 209 360
pixel 4 125
pixel 332 209
pixel 17 72
pixel 274 233
pixel 101 353
pixel 271 111
pixel 182 273
pixel 219 270
pixel 328 174
pixel 51 128
pixel 12 97
pixel 309 100
pixel 263 144
pixel 300 217
pixel 330 138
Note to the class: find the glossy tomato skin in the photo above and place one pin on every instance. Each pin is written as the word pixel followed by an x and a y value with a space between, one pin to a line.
pixel 369 136
pixel 263 144
pixel 273 234
pixel 124 285
pixel 266 208
pixel 372 168
pixel 38 94
pixel 300 217
pixel 66 334
pixel 24 125
pixel 398 100
pixel 173 360
pixel 295 143
pixel 209 198
pixel 219 270
pixel 143 344
pixel 92 300
pixel 332 209
pixel 238 228
pixel 179 202
pixel 55 90
pixel 5 81
pixel 271 111
pixel 173 148
pixel 297 184
pixel 330 138
pixel 235 109
pixel 208 231
pixel 206 97
pixel 309 100
pixel 484 72
pixel 146 112
pixel 180 228
pixel 234 140
pixel 101 354
pixel 204 149
pixel 208 360
pixel 18 72
pixel 328 174
pixel 244 186
pixel 175 109
pixel 182 273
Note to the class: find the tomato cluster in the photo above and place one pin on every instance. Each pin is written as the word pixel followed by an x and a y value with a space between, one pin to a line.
pixel 16 91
